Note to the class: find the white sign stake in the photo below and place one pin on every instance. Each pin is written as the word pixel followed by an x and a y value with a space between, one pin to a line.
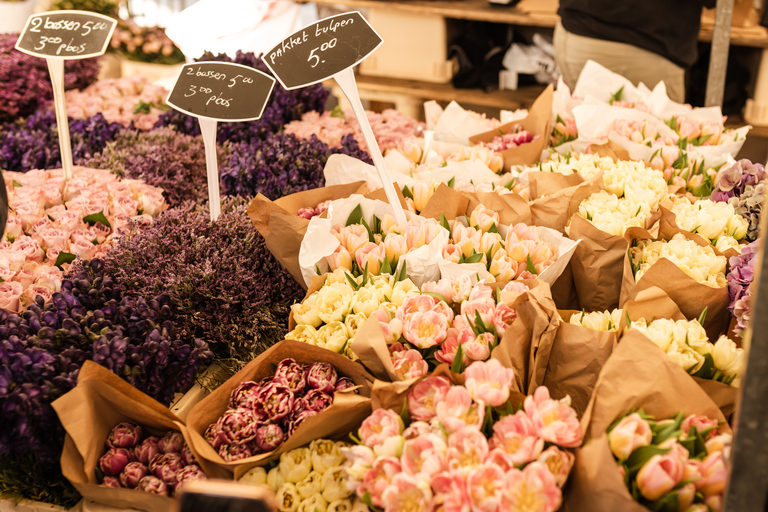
pixel 56 69
pixel 208 129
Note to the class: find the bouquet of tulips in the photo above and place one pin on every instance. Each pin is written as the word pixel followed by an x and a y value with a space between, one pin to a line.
pixel 463 447
pixel 698 262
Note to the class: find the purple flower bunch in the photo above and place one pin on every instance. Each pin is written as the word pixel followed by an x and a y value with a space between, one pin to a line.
pixel 740 278
pixel 742 185
pixel 163 158
pixel 223 284
pixel 33 143
pixel 263 415
pixel 26 82
pixel 149 464
pixel 283 106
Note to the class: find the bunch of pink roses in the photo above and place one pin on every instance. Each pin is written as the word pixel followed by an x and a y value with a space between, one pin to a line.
pixel 677 463
pixel 463 449
pixel 453 322
pixel 52 222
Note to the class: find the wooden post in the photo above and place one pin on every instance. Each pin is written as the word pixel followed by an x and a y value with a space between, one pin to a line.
pixel 718 59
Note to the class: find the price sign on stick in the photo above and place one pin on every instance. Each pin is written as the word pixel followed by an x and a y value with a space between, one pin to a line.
pixel 219 91
pixel 57 36
pixel 330 48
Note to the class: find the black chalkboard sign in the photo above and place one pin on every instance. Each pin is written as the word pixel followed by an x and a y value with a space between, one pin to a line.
pixel 221 91
pixel 321 50
pixel 66 34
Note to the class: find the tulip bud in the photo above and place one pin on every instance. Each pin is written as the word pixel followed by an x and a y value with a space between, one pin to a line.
pixel 344 383
pixel 147 450
pixel 132 473
pixel 172 442
pixel 153 485
pixel 165 466
pixel 114 461
pixel 125 435
pixel 322 376
pixel 187 457
pixel 189 474
pixel 111 481
pixel 269 437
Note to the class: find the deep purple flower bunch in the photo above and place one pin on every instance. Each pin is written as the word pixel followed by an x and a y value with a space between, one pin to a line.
pixel 283 107
pixel 26 82
pixel 280 165
pixel 742 185
pixel 740 278
pixel 149 464
pixel 33 143
pixel 163 158
pixel 263 415
pixel 224 284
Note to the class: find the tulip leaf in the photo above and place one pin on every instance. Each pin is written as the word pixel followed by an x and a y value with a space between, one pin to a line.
pixel 672 123
pixel 337 112
pixel 451 181
pixel 479 323
pixel 376 225
pixel 97 217
pixel 641 455
pixel 386 267
pixel 355 216
pixel 64 257
pixel 529 266
pixel 368 229
pixel 511 183
pixel 629 320
pixel 352 281
pixel 404 414
pixel 617 95
pixel 667 503
pixel 666 430
pixel 407 192
pixel 444 222
pixel 438 296
pixel 365 276
pixel 703 316
pixel 493 228
pixel 475 258
pixel 458 360
pixel 16 184
pixel 707 369
pixel 318 271
pixel 402 275
pixel 367 500
pixel 99 475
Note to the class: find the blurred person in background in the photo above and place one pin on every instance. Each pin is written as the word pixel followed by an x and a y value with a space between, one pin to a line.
pixel 645 41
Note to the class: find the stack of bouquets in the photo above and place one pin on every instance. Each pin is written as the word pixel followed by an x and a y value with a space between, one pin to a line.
pixel 740 279
pixel 687 344
pixel 715 221
pixel 699 262
pixel 262 415
pixel 678 463
pixel 126 100
pixel 51 223
pixel 598 320
pixel 158 465
pixel 742 185
pixel 418 194
pixel 307 479
pixel 460 447
pixel 413 149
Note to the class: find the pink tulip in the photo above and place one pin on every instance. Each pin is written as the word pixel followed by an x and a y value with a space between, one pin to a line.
pixel 406 494
pixel 701 423
pixel 425 329
pixel 424 455
pixel 467 447
pixel 685 496
pixel 534 487
pixel 451 488
pixel 409 364
pixel 449 347
pixel 379 478
pixel 415 304
pixel 558 462
pixel 503 317
pixel 714 474
pixel 370 256
pixel 458 410
pixel 630 433
pixel 486 485
pixel 659 476
pixel 516 436
pixel 340 259
pixel 479 348
pixel 425 395
pixel 380 425
pixel 489 382
pixel 718 443
pixel 484 307
pixel 555 421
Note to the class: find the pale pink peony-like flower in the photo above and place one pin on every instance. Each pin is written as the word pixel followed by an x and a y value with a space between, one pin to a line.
pixel 406 494
pixel 379 478
pixel 628 434
pixel 659 475
pixel 424 455
pixel 425 395
pixel 409 364
pixel 380 425
pixel 486 485
pixel 451 488
pixel 467 447
pixel 425 329
pixel 457 410
pixel 489 382
pixel 516 436
pixel 555 420
pixel 558 462
pixel 534 488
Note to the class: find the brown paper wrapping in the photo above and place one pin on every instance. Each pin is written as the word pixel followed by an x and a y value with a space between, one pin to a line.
pixel 564 290
pixel 449 202
pixel 346 412
pixel 668 218
pixel 538 122
pixel 527 343
pixel 283 231
pixel 554 210
pixel 690 296
pixel 638 375
pixel 372 349
pixel 88 413
pixel 544 183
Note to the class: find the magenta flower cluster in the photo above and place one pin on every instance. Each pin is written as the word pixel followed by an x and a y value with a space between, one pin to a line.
pixel 149 464
pixel 262 415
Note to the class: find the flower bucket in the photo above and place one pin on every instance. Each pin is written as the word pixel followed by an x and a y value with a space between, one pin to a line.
pixel 14 15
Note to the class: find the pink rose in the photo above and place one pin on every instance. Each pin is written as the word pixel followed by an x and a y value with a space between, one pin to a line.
pixel 425 395
pixel 53 253
pixel 26 274
pixel 29 247
pixel 425 329
pixel 406 494
pixel 479 348
pixel 424 455
pixel 53 237
pixel 503 316
pixel 486 485
pixel 558 462
pixel 29 295
pixel 83 249
pixel 489 382
pixel 39 224
pixel 380 425
pixel 55 212
pixel 13 226
pixel 51 194
pixel 516 436
pixel 124 205
pixel 12 259
pixel 457 410
pixel 714 474
pixel 69 221
pixel 379 477
pixel 28 212
pixel 74 188
pixel 10 293
pixel 555 420
pixel 409 364
pixel 100 232
pixel 534 484
pixel 85 235
pixel 659 475
pixel 151 202
pixel 451 488
pixel 6 274
pixel 630 433
pixel 466 447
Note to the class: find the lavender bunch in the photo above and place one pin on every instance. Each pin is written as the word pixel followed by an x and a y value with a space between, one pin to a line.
pixel 163 158
pixel 33 143
pixel 284 106
pixel 740 278
pixel 224 284
pixel 26 82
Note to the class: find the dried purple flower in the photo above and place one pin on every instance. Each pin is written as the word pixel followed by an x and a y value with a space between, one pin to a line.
pixel 269 437
pixel 132 473
pixel 153 485
pixel 147 449
pixel 172 442
pixel 113 462
pixel 276 400
pixel 322 376
pixel 126 434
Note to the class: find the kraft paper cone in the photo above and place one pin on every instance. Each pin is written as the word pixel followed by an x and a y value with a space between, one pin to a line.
pixel 527 343
pixel 553 211
pixel 537 122
pixel 370 346
pixel 668 219
pixel 689 295
pixel 724 395
pixel 451 203
pixel 564 289
pixel 88 413
pixel 446 201
pixel 577 356
pixel 311 198
pixel 346 412
pixel 544 183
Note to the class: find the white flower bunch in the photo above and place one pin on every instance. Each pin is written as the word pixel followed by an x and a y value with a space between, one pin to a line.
pixel 701 263
pixel 330 317
pixel 598 320
pixel 687 344
pixel 308 479
pixel 718 222
pixel 636 182
pixel 585 164
pixel 613 214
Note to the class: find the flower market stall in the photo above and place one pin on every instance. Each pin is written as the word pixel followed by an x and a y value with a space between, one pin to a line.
pixel 561 322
